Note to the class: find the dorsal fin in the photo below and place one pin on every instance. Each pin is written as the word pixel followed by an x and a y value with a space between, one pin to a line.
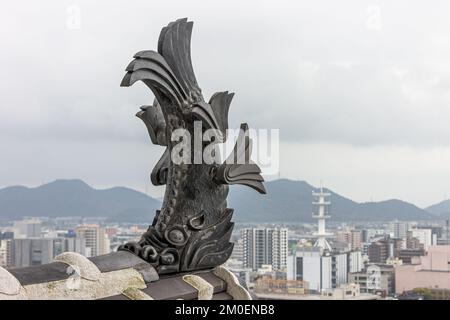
pixel 174 45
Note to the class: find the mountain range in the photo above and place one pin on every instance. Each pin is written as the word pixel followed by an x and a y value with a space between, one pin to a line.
pixel 286 200
pixel 441 209
pixel 63 198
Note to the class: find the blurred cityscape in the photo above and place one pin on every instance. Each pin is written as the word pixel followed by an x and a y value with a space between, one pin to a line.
pixel 365 260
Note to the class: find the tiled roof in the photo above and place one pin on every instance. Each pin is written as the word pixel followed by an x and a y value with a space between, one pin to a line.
pixel 116 276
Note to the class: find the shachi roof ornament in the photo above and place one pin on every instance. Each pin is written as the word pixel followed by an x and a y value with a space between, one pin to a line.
pixel 193 228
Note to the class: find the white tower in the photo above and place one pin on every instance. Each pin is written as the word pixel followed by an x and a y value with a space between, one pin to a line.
pixel 321 203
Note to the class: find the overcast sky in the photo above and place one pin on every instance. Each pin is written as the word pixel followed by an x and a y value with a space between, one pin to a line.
pixel 360 90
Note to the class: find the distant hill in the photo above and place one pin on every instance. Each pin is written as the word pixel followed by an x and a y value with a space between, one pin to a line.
pixel 441 209
pixel 286 200
pixel 75 198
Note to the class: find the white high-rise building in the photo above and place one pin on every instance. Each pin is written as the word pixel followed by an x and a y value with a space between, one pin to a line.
pixel 399 229
pixel 355 261
pixel 96 240
pixel 265 246
pixel 425 237
pixel 320 269
pixel 5 253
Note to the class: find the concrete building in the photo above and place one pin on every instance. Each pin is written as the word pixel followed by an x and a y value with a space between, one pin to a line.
pixel 265 246
pixel 364 236
pixel 29 228
pixel 425 237
pixel 298 290
pixel 37 251
pixel 355 261
pixel 395 262
pixel 6 253
pixel 356 240
pixel 437 232
pixel 343 292
pixel 398 229
pixel 380 250
pixel 412 242
pixel 320 269
pixel 75 244
pixel 406 255
pixel 431 271
pixel 33 252
pixel 96 239
pixel 376 278
pixel 2 254
pixel 353 238
pixel 6 235
pixel 268 285
pixel 443 242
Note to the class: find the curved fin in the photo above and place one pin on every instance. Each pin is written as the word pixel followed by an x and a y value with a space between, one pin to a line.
pixel 220 103
pixel 158 76
pixel 204 112
pixel 174 45
pixel 159 172
pixel 238 168
pixel 153 118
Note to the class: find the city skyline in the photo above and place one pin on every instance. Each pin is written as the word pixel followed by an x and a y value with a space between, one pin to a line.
pixel 361 262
